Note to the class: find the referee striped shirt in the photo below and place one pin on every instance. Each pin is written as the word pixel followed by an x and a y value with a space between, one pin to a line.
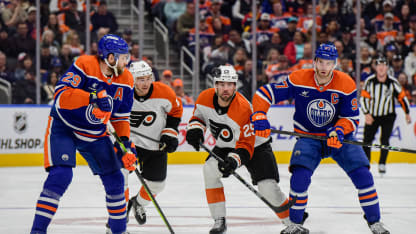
pixel 377 98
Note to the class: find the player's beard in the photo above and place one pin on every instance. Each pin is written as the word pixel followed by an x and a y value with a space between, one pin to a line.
pixel 226 98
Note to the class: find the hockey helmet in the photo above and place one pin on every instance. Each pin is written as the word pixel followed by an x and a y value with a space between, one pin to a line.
pixel 140 69
pixel 225 73
pixel 112 44
pixel 326 51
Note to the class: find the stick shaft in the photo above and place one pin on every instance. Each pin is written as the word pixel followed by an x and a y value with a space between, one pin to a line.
pixel 322 138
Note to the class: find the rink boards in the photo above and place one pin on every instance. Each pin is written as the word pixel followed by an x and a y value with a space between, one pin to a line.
pixel 23 128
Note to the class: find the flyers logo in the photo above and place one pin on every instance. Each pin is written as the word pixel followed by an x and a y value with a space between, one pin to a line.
pixel 139 117
pixel 221 130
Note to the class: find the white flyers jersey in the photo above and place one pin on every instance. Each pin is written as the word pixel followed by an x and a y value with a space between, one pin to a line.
pixel 230 126
pixel 150 113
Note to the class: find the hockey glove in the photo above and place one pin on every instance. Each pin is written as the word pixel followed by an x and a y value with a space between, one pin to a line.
pixel 194 137
pixel 102 100
pixel 335 137
pixel 230 163
pixel 169 140
pixel 129 159
pixel 260 123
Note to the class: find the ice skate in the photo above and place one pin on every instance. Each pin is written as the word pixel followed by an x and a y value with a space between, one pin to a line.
pixel 295 228
pixel 108 230
pixel 378 228
pixel 138 210
pixel 382 169
pixel 220 226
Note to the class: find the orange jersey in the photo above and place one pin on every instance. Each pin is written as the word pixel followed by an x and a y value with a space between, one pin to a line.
pixel 318 107
pixel 72 98
pixel 230 126
pixel 154 114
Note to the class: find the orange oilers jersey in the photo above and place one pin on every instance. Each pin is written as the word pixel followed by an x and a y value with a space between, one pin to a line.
pixel 151 114
pixel 72 99
pixel 230 126
pixel 318 107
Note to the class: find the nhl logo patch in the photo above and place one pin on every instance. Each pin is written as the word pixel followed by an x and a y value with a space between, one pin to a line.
pixel 20 122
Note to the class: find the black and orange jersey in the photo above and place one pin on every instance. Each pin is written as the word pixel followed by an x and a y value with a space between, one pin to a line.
pixel 230 126
pixel 160 110
pixel 72 99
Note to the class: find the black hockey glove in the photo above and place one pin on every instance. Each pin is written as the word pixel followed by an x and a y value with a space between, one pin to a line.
pixel 194 137
pixel 230 163
pixel 168 144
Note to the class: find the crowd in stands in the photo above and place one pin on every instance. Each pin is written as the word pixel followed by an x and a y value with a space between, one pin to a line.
pixel 283 37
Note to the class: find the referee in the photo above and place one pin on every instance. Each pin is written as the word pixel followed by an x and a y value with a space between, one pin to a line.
pixel 377 103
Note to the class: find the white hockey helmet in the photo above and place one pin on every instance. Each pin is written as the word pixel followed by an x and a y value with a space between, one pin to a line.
pixel 225 73
pixel 140 69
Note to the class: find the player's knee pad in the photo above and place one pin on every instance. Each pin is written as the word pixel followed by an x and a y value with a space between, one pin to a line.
pixel 300 179
pixel 58 180
pixel 113 183
pixel 156 186
pixel 211 172
pixel 270 189
pixel 361 177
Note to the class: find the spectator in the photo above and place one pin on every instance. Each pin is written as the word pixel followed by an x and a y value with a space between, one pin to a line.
pixel 172 10
pixel 288 33
pixel 127 36
pixel 390 50
pixel 236 41
pixel 306 20
pixel 410 63
pixel 49 87
pixel 21 42
pixel 13 14
pixel 180 93
pixel 332 31
pixel 282 71
pixel 6 43
pixel 294 49
pixel 278 17
pixel 400 44
pixel 185 23
pixel 166 78
pixel 239 58
pixel 206 36
pixel 347 14
pixel 387 32
pixel 66 57
pixel 5 72
pixel 134 52
pixel 45 61
pixel 364 33
pixel 54 27
pixel 25 65
pixel 372 9
pixel 307 60
pixel 245 78
pixel 323 7
pixel 404 17
pixel 365 58
pixel 396 66
pixel 216 54
pixel 71 18
pixel 24 91
pixel 411 32
pixel 274 43
pixel 31 21
pixel 103 18
pixel 348 43
pixel 239 10
pixel 271 63
pixel 373 42
pixel 332 14
pixel 345 67
pixel 73 40
pixel 215 12
pixel 264 31
pixel 48 39
pixel 219 27
pixel 94 48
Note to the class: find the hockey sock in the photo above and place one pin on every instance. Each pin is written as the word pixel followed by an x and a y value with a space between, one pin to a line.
pixel 367 194
pixel 116 201
pixel 155 188
pixel 54 187
pixel 271 191
pixel 299 183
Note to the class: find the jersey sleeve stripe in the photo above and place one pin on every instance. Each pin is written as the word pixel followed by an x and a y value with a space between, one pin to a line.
pixel 266 94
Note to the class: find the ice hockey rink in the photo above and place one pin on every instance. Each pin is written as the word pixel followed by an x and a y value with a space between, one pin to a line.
pixel 333 204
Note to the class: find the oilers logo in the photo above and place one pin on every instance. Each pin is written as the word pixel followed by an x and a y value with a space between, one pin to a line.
pixel 320 112
pixel 146 118
pixel 222 131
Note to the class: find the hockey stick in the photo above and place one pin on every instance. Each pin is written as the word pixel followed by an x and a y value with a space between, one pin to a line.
pixel 123 147
pixel 276 209
pixel 162 146
pixel 386 147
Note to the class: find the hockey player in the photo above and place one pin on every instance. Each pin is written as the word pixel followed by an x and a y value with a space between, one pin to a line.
pixel 226 113
pixel 326 104
pixel 156 113
pixel 94 90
